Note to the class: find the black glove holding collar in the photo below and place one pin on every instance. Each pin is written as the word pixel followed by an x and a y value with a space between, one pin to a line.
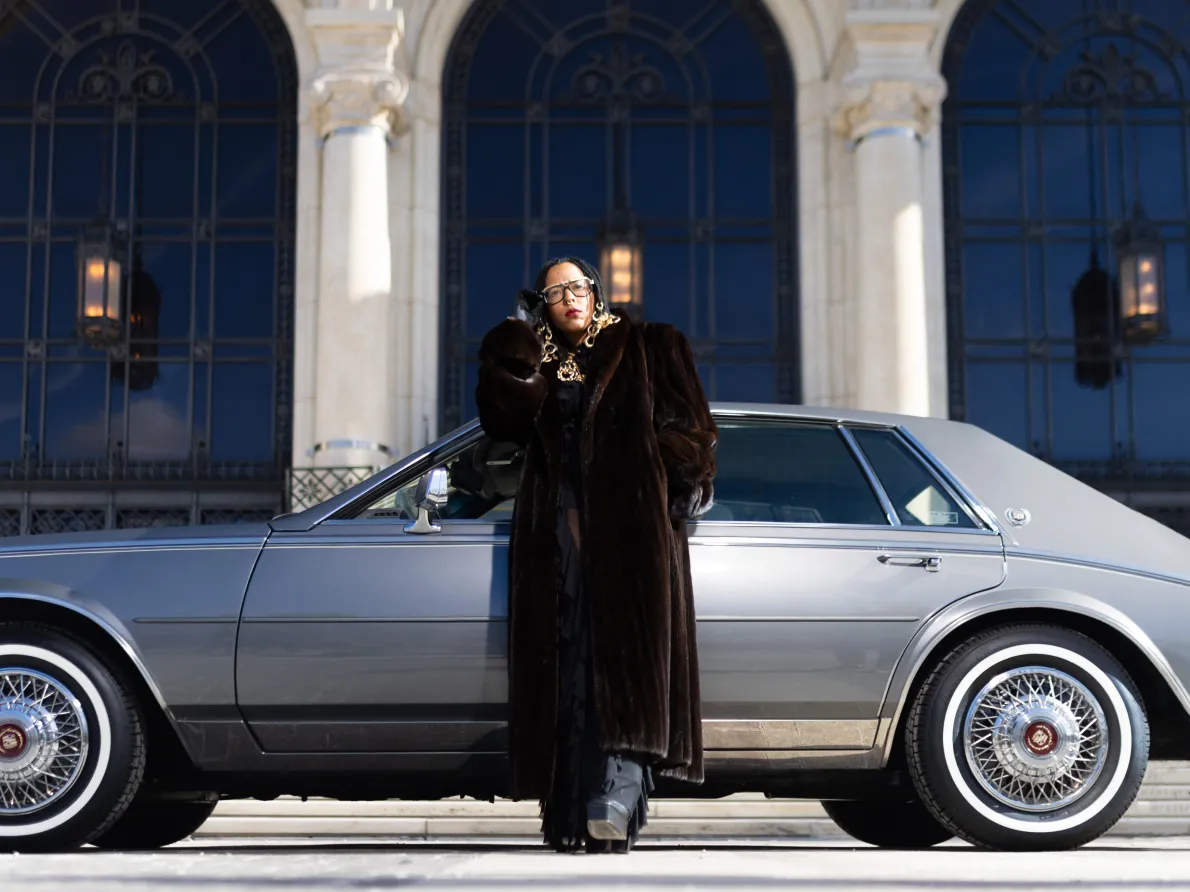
pixel 530 307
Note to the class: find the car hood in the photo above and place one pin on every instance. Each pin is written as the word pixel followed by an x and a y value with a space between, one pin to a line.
pixel 1067 518
pixel 150 537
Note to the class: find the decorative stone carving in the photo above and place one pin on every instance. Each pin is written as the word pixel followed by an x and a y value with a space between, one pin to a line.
pixel 366 99
pixel 358 82
pixel 891 84
pixel 870 105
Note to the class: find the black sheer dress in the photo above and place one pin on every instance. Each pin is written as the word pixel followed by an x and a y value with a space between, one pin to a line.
pixel 582 771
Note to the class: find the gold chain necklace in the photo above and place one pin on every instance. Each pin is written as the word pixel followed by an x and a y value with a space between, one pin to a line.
pixel 568 369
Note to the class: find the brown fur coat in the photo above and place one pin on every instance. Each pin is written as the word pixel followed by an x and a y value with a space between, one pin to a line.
pixel 647 453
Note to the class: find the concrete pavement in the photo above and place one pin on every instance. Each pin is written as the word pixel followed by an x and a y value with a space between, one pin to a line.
pixel 204 866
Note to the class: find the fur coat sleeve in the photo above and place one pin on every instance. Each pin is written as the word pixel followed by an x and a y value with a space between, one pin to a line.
pixel 511 388
pixel 686 432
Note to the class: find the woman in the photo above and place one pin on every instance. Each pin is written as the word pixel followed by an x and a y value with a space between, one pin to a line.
pixel 619 453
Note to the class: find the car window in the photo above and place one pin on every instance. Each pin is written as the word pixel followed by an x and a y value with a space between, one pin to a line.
pixel 918 496
pixel 790 473
pixel 482 480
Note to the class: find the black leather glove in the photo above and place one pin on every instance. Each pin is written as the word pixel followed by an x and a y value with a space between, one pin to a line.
pixel 530 307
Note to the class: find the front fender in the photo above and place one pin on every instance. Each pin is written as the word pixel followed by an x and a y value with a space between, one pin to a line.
pixel 107 622
pixel 922 646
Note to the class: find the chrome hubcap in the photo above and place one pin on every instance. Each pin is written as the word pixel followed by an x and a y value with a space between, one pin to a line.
pixel 1035 738
pixel 43 740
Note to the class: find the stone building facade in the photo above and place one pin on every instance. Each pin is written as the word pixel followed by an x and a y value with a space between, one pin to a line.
pixel 874 248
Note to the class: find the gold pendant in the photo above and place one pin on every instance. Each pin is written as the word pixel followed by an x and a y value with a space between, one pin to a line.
pixel 569 370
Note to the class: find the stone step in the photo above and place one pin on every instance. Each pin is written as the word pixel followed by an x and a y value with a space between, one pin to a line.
pixel 1131 826
pixel 1168 773
pixel 508 828
pixel 1162 808
pixel 463 808
pixel 1156 792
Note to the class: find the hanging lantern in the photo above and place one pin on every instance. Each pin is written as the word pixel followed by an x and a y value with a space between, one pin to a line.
pixel 144 312
pixel 620 265
pixel 99 289
pixel 1095 363
pixel 1141 279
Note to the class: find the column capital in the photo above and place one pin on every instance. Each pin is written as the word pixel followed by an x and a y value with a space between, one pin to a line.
pixel 891 85
pixel 358 82
pixel 887 104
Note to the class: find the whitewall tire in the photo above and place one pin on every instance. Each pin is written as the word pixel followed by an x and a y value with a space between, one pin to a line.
pixel 1027 737
pixel 71 744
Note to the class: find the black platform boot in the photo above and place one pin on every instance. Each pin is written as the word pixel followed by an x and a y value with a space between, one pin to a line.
pixel 610 812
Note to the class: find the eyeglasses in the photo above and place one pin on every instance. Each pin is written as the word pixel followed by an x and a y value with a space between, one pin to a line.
pixel 580 288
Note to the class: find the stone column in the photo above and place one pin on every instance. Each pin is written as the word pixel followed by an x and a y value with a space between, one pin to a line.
pixel 357 95
pixel 889 100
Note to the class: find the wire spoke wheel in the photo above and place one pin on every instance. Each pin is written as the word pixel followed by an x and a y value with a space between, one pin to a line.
pixel 43 740
pixel 1035 738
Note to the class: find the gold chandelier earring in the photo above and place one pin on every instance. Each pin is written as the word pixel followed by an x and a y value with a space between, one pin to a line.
pixel 549 350
pixel 600 320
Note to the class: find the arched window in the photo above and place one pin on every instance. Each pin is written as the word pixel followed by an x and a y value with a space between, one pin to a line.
pixel 1067 187
pixel 660 132
pixel 146 232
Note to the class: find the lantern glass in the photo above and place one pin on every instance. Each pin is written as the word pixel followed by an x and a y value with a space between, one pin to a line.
pixel 99 293
pixel 621 270
pixel 1141 294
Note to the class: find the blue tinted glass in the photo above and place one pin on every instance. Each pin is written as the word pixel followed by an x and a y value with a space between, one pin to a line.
pixel 82 168
pixel 790 474
pixel 994 63
pixel 158 418
pixel 745 382
pixel 661 170
pixel 1177 291
pixel 996 400
pixel 75 410
pixel 666 271
pixel 166 158
pixel 737 72
pixel 11 374
pixel 21 58
pixel 1161 168
pixel 502 62
pixel 1162 430
pixel 12 290
pixel 743 171
pixel 244 289
pixel 991 171
pixel 247 170
pixel 496 170
pixel 64 300
pixel 238 52
pixel 165 279
pixel 992 305
pixel 1082 426
pixel 658 104
pixel 744 297
pixel 577 165
pixel 242 412
pixel 14 161
pixel 495 273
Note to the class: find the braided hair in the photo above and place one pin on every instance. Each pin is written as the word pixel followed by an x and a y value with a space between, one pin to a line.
pixel 586 268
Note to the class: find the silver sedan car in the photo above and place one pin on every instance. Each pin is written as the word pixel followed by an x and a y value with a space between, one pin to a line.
pixel 909 619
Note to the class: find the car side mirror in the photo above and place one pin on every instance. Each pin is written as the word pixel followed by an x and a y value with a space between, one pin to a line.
pixel 431 497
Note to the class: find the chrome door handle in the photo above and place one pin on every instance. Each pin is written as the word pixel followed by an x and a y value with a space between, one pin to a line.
pixel 929 562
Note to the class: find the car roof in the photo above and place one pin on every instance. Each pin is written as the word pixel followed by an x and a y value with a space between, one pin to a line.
pixel 832 414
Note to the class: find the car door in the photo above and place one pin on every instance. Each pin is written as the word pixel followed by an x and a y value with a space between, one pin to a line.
pixel 361 635
pixel 809 580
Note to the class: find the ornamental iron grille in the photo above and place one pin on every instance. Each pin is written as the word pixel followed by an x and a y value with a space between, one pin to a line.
pixel 1061 116
pixel 170 127
pixel 674 115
